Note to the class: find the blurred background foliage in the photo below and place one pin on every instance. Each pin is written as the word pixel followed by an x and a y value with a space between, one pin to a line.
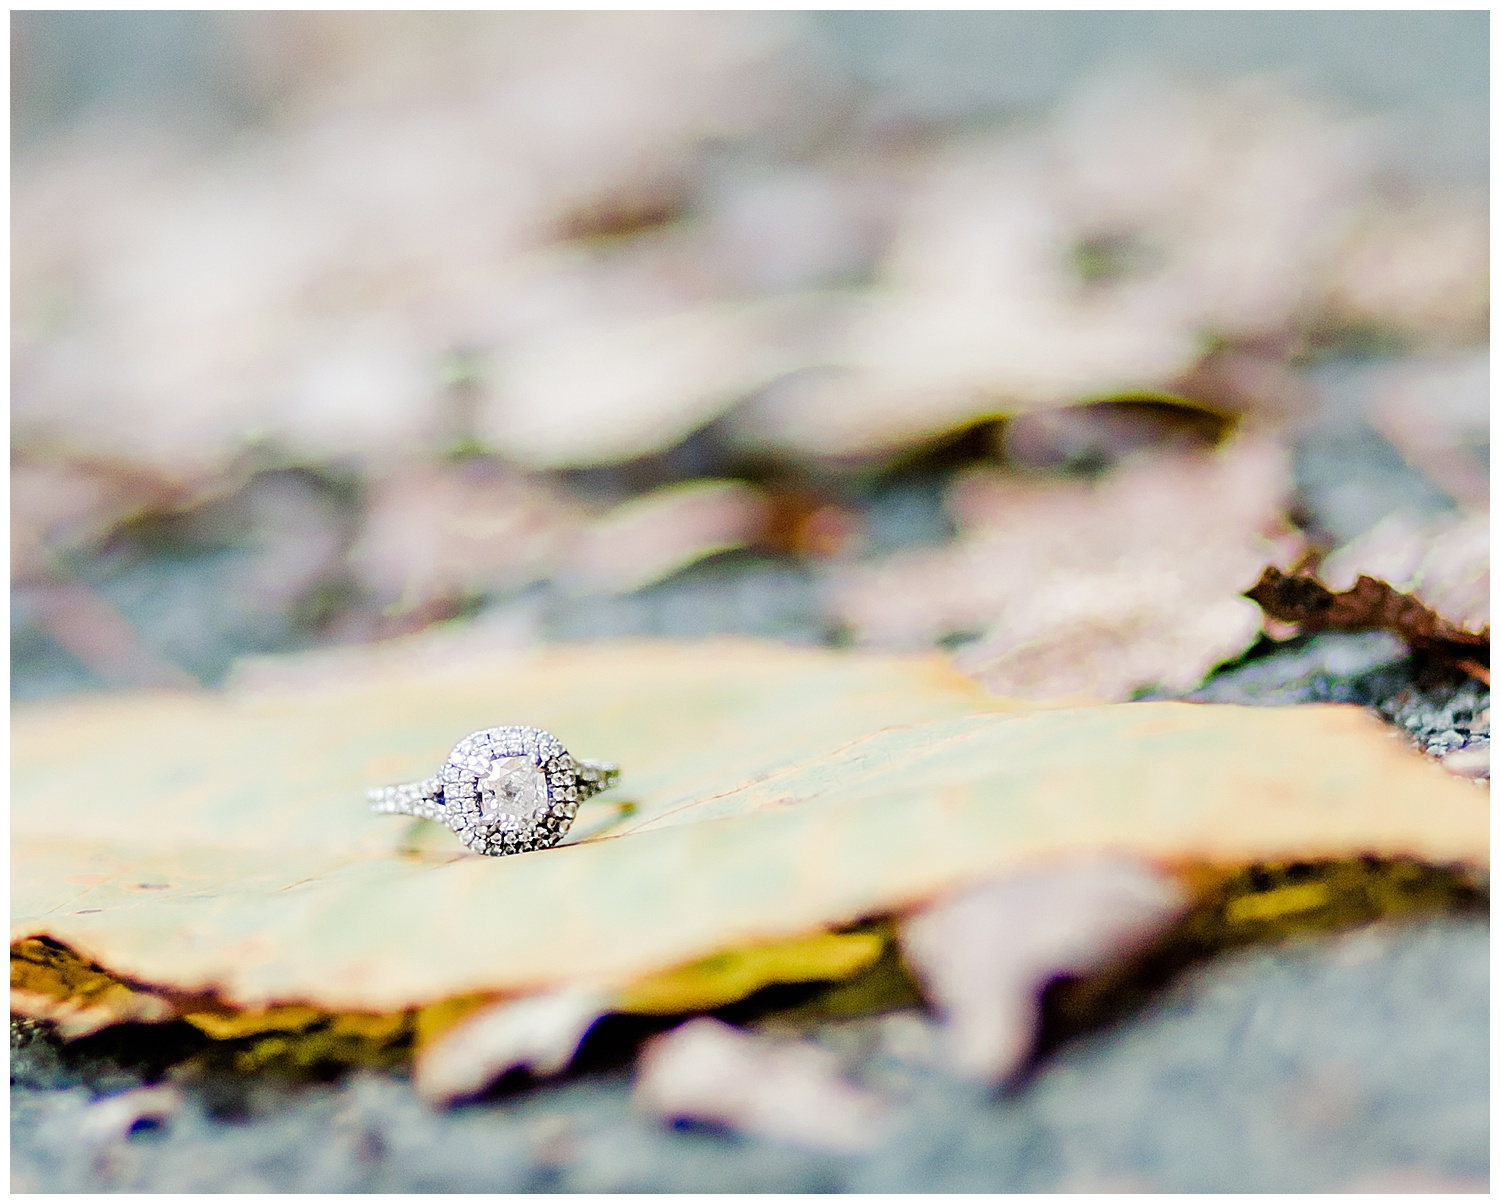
pixel 330 327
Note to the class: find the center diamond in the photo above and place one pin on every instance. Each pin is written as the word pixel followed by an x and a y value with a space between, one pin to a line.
pixel 513 792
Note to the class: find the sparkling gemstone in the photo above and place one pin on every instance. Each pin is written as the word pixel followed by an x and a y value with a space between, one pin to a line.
pixel 512 792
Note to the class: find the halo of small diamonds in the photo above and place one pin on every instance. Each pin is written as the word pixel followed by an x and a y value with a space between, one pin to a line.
pixel 469 770
pixel 502 790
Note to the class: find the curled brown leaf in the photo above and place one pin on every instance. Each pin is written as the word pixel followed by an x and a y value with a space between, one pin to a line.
pixel 1371 605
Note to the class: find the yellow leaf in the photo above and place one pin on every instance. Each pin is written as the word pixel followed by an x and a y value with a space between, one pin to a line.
pixel 254 1021
pixel 221 845
pixel 1283 902
pixel 49 983
pixel 437 1018
pixel 735 973
pixel 346 1040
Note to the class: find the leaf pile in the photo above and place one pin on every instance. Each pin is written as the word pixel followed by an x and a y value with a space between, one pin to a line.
pixel 1089 588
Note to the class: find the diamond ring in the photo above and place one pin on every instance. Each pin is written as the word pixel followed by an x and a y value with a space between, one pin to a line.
pixel 502 790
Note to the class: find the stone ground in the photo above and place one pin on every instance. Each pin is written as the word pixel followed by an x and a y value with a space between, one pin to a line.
pixel 1353 1060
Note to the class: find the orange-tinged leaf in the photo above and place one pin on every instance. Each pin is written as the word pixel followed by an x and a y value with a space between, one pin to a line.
pixel 777 791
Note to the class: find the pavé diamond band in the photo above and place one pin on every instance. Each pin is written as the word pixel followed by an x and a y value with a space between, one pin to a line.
pixel 502 790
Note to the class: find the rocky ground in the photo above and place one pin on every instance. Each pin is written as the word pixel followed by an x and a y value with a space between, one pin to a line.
pixel 1351 1060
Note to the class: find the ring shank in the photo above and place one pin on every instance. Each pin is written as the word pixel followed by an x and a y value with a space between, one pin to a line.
pixel 595 777
pixel 424 799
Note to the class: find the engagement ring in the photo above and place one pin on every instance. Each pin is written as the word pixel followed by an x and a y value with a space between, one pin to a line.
pixel 502 790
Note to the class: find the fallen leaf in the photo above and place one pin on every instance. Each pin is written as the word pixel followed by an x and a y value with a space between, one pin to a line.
pixel 231 853
pixel 883 986
pixel 775 228
pixel 435 533
pixel 331 1042
pixel 1249 378
pixel 654 535
pixel 61 506
pixel 437 1018
pixel 1436 411
pixel 1099 435
pixel 538 1032
pixel 1444 563
pixel 462 1045
pixel 252 1022
pixel 808 525
pixel 788 1091
pixel 1044 269
pixel 304 284
pixel 984 953
pixel 97 635
pixel 48 983
pixel 1232 906
pixel 52 983
pixel 1088 589
pixel 735 973
pixel 1417 267
pixel 1370 605
pixel 635 384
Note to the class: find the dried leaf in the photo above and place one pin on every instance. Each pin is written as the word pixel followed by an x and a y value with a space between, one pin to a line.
pixel 785 1090
pixel 1444 563
pixel 797 225
pixel 1371 605
pixel 174 304
pixel 94 632
pixel 224 1025
pixel 1436 411
pixel 1272 900
pixel 1418 268
pixel 48 983
pixel 1086 589
pixel 1041 270
pixel 985 953
pixel 231 853
pixel 435 1019
pixel 542 1032
pixel 60 506
pixel 348 1039
pixel 736 973
pixel 652 536
pixel 446 532
pixel 1101 434
pixel 885 985
pixel 54 984
pixel 539 1032
pixel 632 385
pixel 1267 901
